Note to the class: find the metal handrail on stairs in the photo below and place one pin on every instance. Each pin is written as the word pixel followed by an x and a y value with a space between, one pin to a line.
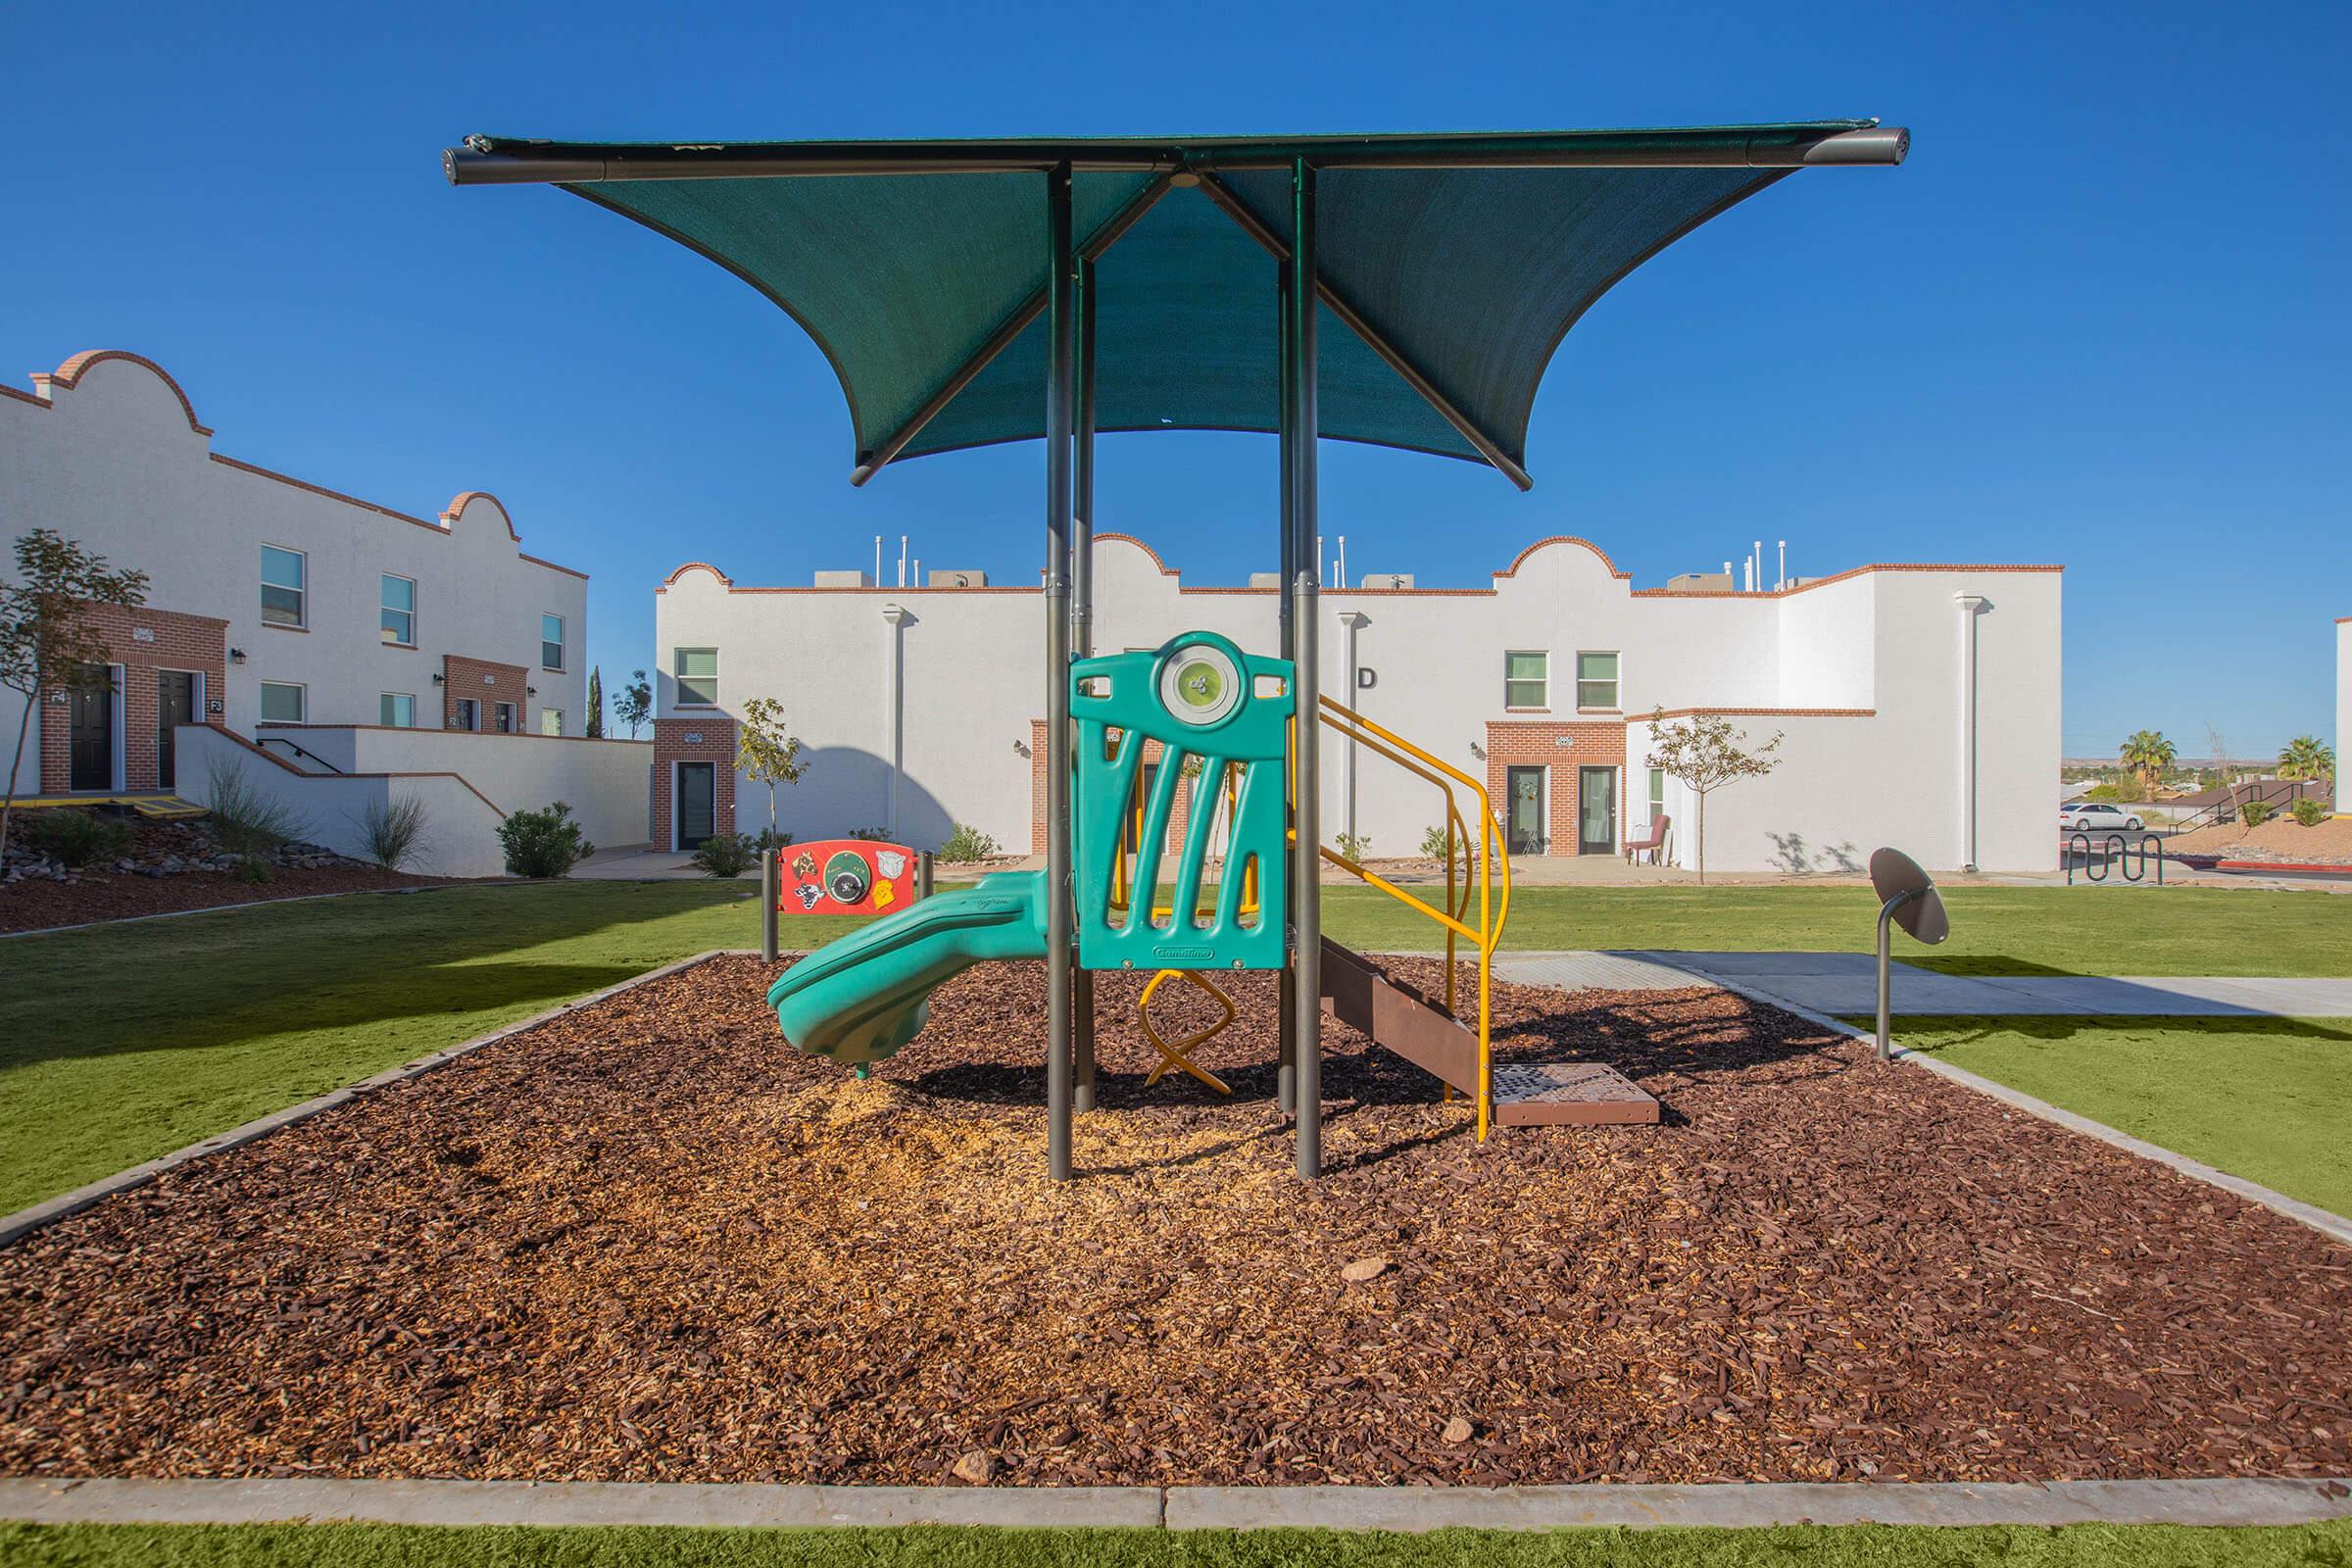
pixel 1493 902
pixel 298 749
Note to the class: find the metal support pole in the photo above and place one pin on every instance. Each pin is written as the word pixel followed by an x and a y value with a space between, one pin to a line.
pixel 1061 328
pixel 1286 1042
pixel 1886 972
pixel 771 891
pixel 1298 463
pixel 923 872
pixel 1082 636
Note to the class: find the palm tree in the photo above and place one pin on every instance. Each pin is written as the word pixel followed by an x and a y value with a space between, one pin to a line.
pixel 2305 757
pixel 2148 753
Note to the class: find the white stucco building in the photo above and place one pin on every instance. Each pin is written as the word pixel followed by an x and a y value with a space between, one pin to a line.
pixel 1920 703
pixel 318 634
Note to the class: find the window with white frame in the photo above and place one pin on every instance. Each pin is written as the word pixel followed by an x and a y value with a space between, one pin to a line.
pixel 399 617
pixel 396 709
pixel 697 672
pixel 1595 680
pixel 1657 793
pixel 1526 679
pixel 551 642
pixel 282 702
pixel 285 586
pixel 551 721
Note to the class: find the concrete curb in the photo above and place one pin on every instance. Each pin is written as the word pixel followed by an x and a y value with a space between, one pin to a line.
pixel 2333 1225
pixel 1406 1509
pixel 24 1221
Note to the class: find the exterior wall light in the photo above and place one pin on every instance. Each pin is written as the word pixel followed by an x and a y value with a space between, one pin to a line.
pixel 439 680
pixel 236 656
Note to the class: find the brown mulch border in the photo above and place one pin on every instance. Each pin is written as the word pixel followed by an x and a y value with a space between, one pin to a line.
pixel 36 905
pixel 645 1241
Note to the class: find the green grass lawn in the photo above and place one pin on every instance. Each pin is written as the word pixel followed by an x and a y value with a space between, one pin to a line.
pixel 121 1043
pixel 2266 1099
pixel 1852 1546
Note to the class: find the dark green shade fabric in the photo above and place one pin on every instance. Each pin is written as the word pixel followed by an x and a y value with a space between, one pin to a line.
pixel 1469 274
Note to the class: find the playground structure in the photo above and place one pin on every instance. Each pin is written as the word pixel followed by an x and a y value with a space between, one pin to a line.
pixel 1128 280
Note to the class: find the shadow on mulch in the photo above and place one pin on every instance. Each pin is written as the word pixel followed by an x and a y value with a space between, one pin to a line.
pixel 645 1240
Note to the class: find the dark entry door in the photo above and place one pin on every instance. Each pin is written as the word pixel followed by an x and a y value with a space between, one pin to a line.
pixel 174 703
pixel 90 710
pixel 1523 826
pixel 697 801
pixel 1595 810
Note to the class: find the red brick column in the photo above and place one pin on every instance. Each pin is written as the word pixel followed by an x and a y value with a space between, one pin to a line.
pixel 142 641
pixel 1180 813
pixel 1559 747
pixel 707 739
pixel 488 684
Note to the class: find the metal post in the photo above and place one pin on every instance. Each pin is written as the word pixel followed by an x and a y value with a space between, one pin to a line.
pixel 1061 326
pixel 923 870
pixel 1886 972
pixel 1082 636
pixel 1298 455
pixel 771 891
pixel 1286 1043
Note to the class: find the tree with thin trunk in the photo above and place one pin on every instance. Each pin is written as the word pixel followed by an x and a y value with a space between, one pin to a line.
pixel 48 638
pixel 596 702
pixel 1703 752
pixel 2147 754
pixel 2224 773
pixel 635 704
pixel 766 752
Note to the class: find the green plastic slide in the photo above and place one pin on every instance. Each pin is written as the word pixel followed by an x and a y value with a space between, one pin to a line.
pixel 859 999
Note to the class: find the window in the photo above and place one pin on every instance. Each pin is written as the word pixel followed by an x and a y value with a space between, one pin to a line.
pixel 470 713
pixel 1657 793
pixel 506 719
pixel 400 611
pixel 396 709
pixel 1596 680
pixel 551 721
pixel 697 669
pixel 1526 677
pixel 282 702
pixel 551 642
pixel 285 574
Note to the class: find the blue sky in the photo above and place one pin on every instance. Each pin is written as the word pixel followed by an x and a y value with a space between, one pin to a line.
pixel 2098 318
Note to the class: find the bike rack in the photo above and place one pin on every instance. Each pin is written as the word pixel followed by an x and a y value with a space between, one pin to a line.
pixel 2117 849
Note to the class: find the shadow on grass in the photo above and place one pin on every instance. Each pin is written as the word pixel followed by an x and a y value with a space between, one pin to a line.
pixel 1926 1035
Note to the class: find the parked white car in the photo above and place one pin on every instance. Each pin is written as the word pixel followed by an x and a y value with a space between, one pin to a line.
pixel 2092 817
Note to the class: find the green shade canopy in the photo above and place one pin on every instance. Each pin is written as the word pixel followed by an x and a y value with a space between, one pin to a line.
pixel 1449 265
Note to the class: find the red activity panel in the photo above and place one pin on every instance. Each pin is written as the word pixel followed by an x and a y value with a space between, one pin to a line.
pixel 844 876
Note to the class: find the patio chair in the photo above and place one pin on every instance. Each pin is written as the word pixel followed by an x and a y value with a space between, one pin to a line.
pixel 1655 842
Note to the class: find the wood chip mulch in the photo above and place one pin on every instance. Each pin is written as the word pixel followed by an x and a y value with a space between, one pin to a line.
pixel 647 1241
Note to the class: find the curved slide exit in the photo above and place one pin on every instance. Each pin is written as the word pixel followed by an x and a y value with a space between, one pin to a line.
pixel 860 998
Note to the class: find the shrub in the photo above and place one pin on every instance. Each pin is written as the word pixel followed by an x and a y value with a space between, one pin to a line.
pixel 255 869
pixel 727 855
pixel 2104 794
pixel 967 843
pixel 870 835
pixel 2309 812
pixel 1354 846
pixel 77 838
pixel 246 821
pixel 772 838
pixel 392 830
pixel 2256 813
pixel 1434 841
pixel 543 844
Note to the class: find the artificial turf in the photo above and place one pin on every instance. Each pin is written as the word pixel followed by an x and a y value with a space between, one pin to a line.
pixel 509 1546
pixel 2266 1099
pixel 125 1042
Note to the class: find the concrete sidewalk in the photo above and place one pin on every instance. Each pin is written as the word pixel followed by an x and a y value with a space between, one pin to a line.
pixel 1845 983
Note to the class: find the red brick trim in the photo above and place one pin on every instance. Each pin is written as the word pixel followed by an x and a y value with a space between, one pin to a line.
pixel 716 747
pixel 465 498
pixel 1537 742
pixel 1840 576
pixel 275 761
pixel 418 729
pixel 1180 811
pixel 73 370
pixel 198 644
pixel 488 684
pixel 1165 570
pixel 1512 570
pixel 1753 713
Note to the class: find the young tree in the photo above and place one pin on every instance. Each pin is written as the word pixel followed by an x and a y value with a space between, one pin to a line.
pixel 2307 757
pixel 635 704
pixel 764 753
pixel 2148 755
pixel 1704 753
pixel 48 637
pixel 596 702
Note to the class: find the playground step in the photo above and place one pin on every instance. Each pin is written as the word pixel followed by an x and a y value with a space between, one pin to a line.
pixel 1569 1094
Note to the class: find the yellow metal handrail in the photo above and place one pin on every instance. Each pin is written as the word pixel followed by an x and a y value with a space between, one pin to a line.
pixel 1493 903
